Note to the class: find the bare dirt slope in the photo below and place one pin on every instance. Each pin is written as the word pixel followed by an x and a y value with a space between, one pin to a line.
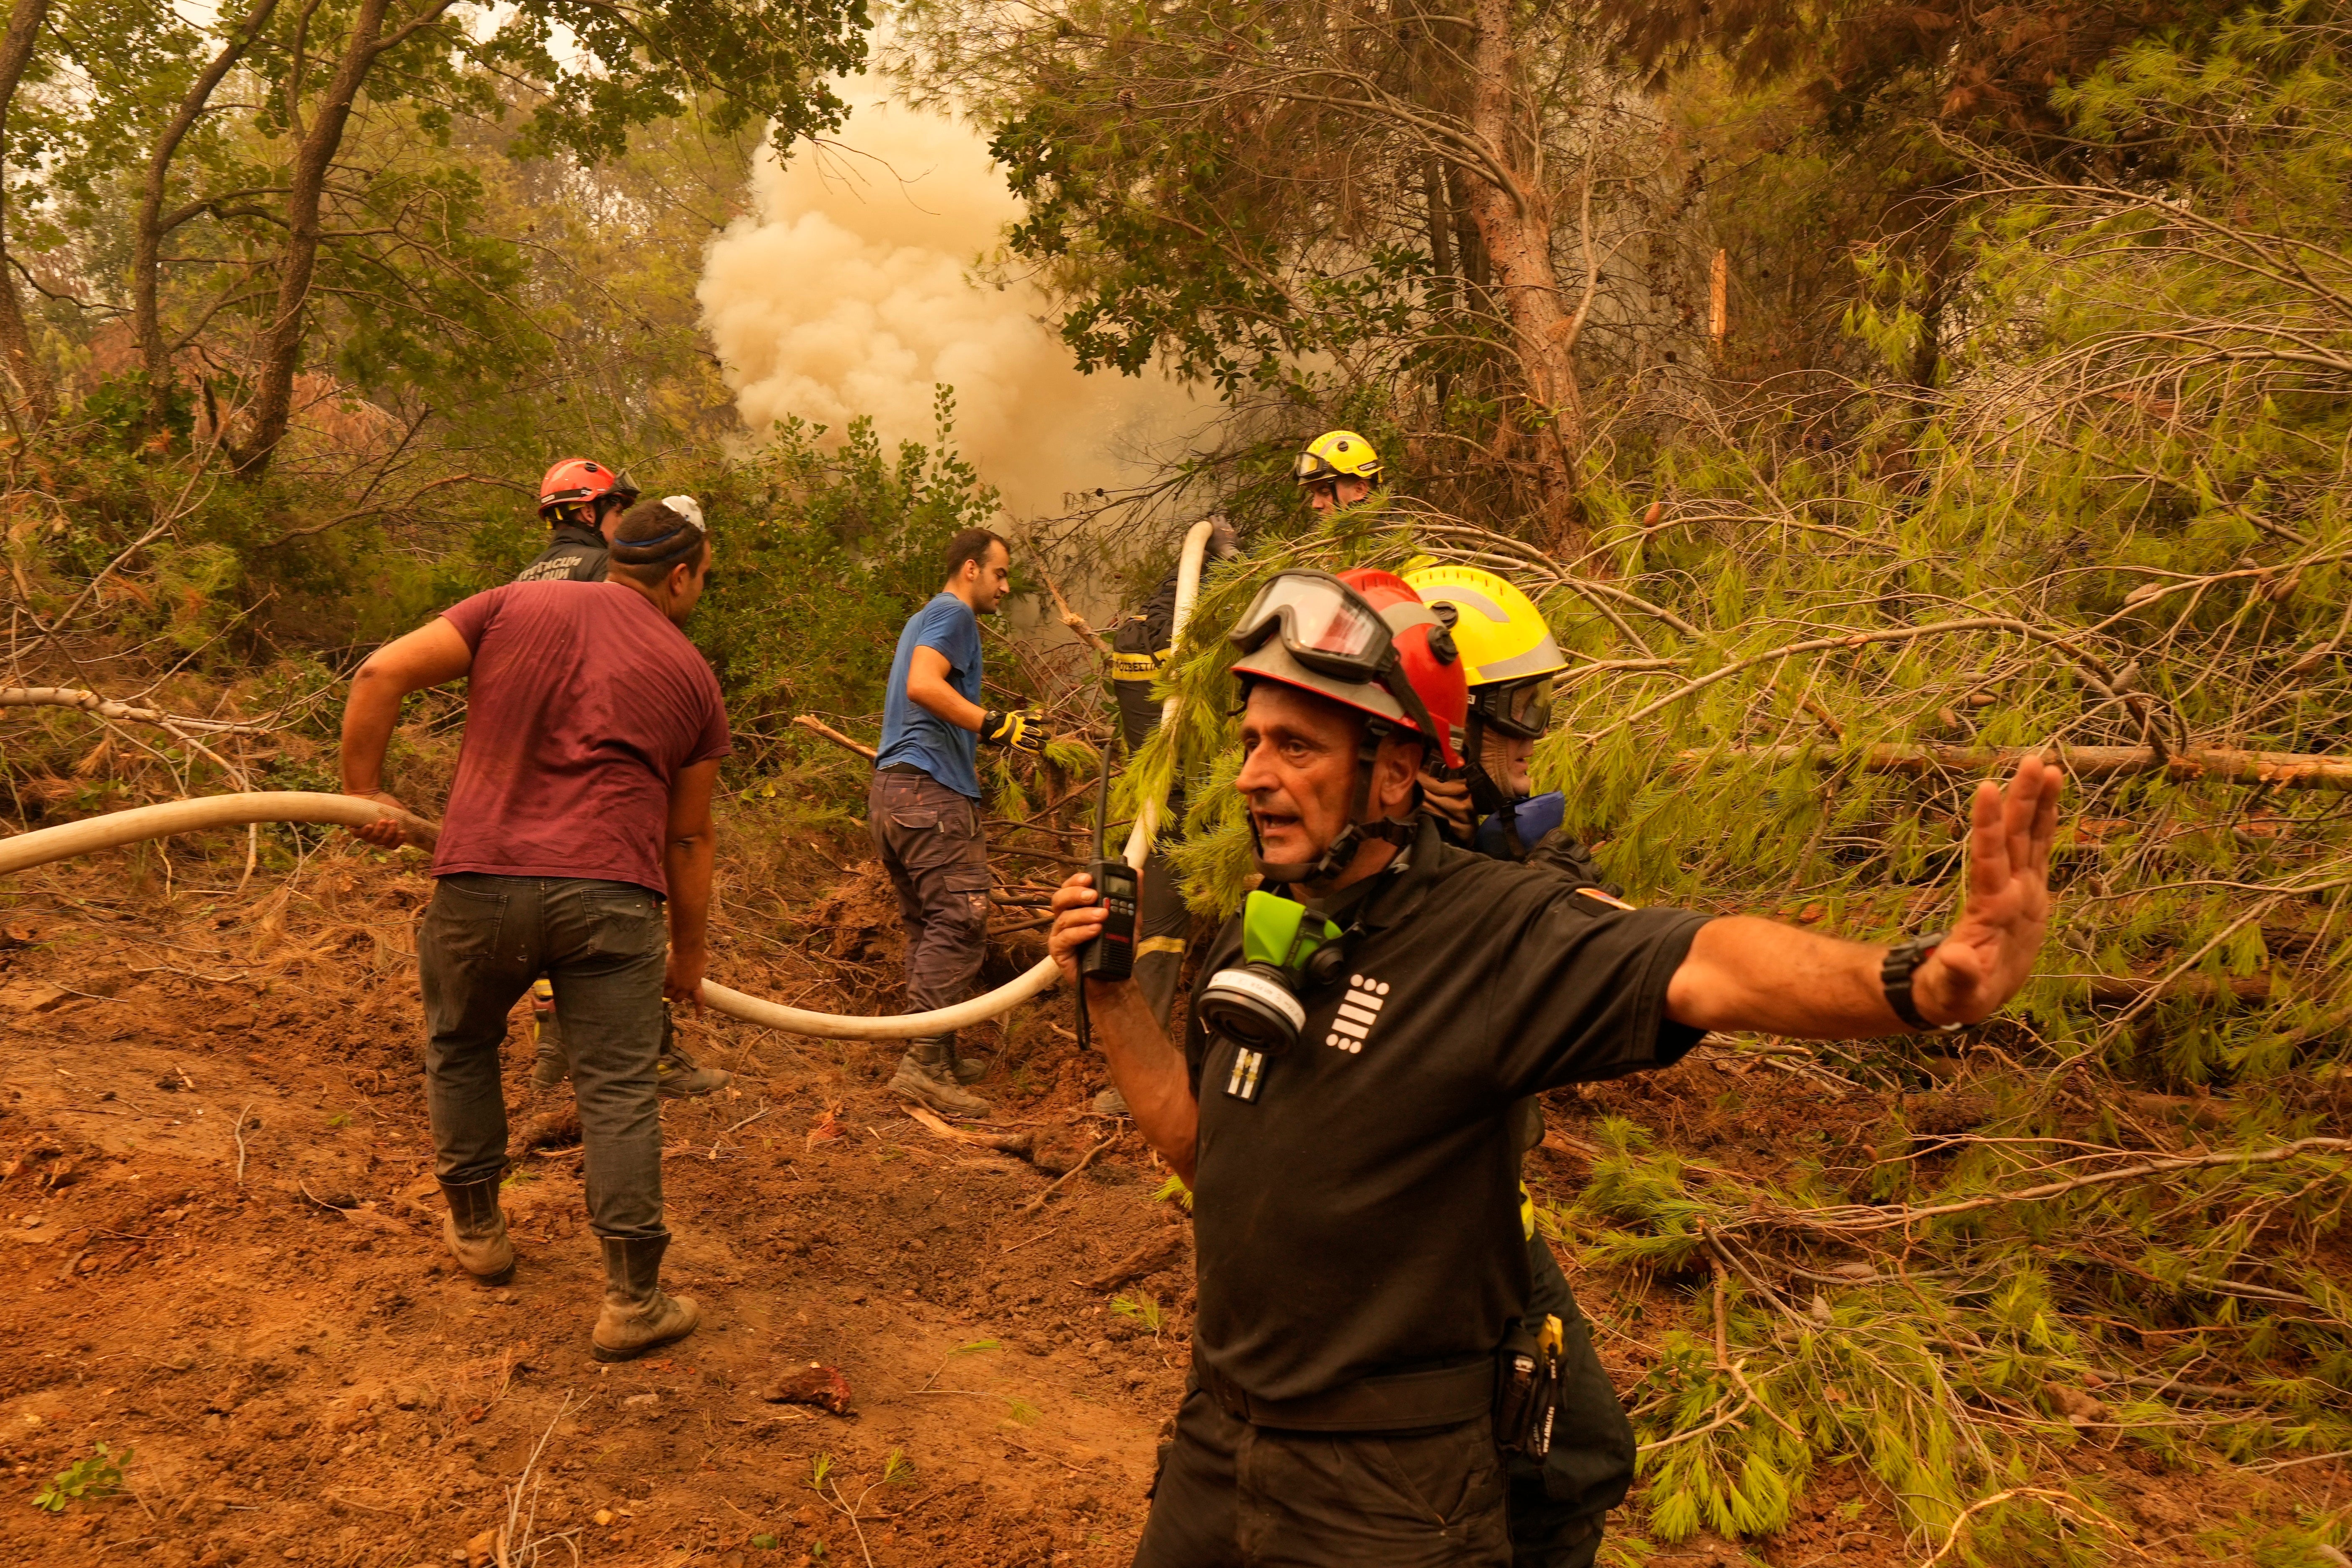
pixel 218 1232
pixel 302 1377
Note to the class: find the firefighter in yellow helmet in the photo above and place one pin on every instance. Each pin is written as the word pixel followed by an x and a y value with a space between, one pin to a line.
pixel 1338 468
pixel 1556 1504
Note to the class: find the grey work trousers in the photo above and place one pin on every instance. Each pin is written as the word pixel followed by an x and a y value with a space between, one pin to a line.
pixel 603 945
pixel 930 840
pixel 1231 1495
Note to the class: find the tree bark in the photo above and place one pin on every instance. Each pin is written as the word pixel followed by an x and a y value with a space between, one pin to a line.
pixel 26 19
pixel 1514 220
pixel 282 351
pixel 150 226
pixel 314 157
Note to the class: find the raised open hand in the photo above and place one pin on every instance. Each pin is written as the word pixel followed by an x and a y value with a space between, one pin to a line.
pixel 1990 951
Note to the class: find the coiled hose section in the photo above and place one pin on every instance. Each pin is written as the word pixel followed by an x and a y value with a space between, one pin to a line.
pixel 117 829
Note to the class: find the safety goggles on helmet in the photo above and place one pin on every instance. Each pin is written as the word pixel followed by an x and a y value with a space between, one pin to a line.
pixel 1335 455
pixel 1324 623
pixel 1310 468
pixel 1521 709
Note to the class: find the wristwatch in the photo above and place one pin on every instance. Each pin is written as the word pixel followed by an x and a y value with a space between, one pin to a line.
pixel 1895 971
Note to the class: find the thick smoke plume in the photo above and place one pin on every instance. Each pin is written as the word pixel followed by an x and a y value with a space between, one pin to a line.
pixel 848 290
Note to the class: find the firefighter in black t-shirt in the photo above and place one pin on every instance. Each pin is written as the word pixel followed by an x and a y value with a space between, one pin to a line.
pixel 1341 1103
pixel 582 501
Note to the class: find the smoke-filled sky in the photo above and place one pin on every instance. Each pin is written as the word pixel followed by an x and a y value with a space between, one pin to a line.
pixel 846 291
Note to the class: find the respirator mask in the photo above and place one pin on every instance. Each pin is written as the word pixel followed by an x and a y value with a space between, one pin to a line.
pixel 1285 947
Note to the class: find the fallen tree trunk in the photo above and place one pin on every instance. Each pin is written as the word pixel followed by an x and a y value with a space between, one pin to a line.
pixel 2285 770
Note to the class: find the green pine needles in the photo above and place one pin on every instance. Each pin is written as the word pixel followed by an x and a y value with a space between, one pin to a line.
pixel 2116 532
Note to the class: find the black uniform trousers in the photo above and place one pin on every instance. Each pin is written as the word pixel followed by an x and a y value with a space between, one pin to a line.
pixel 1231 1495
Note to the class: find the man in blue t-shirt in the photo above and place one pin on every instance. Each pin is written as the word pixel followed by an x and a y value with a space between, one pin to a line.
pixel 924 808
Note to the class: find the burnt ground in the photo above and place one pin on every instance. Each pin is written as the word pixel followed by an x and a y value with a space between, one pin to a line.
pixel 220 1236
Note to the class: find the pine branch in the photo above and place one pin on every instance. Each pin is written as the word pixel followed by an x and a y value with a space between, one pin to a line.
pixel 2277 770
pixel 1856 1219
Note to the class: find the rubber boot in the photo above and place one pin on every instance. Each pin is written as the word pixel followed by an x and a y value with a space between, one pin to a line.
pixel 476 1230
pixel 678 1076
pixel 926 1075
pixel 637 1317
pixel 549 1066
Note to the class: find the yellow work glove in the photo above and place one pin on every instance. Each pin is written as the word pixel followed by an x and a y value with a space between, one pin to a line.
pixel 1022 730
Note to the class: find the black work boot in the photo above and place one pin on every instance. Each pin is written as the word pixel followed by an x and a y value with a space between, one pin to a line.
pixel 549 1066
pixel 637 1317
pixel 476 1230
pixel 678 1076
pixel 926 1075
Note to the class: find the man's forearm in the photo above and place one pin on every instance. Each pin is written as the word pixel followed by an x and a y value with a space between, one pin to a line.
pixel 368 718
pixel 946 704
pixel 688 862
pixel 1757 975
pixel 1150 1072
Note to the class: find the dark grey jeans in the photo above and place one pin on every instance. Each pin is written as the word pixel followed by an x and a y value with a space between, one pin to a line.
pixel 930 840
pixel 604 944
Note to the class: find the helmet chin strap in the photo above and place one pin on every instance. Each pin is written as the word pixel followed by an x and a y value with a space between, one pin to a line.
pixel 1340 853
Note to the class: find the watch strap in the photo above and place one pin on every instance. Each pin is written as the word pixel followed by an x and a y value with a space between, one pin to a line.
pixel 1894 974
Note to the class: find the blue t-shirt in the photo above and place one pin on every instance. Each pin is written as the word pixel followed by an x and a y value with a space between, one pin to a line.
pixel 911 732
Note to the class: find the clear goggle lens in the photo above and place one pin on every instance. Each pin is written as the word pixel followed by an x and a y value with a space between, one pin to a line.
pixel 1324 623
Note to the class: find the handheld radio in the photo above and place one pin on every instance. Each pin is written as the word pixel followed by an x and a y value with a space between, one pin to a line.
pixel 1111 955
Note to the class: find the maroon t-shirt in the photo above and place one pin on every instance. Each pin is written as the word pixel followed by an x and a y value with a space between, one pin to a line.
pixel 584 703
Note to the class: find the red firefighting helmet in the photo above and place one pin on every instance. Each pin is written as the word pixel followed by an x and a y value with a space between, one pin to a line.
pixel 577 479
pixel 1303 620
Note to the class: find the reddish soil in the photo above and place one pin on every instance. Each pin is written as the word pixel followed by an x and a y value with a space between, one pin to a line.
pixel 217 1214
pixel 304 1385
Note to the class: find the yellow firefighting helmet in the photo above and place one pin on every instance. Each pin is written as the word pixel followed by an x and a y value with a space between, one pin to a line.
pixel 1337 455
pixel 1500 633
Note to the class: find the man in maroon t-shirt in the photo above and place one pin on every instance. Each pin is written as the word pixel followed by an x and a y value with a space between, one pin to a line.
pixel 594 731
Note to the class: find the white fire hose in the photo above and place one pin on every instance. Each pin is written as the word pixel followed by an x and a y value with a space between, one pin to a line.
pixel 119 828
